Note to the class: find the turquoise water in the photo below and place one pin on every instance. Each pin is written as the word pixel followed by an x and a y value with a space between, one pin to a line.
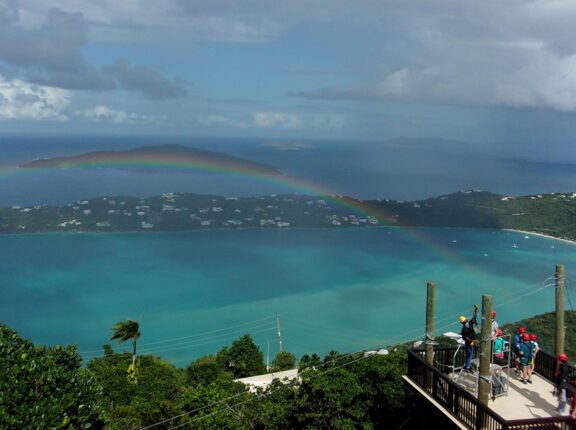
pixel 194 292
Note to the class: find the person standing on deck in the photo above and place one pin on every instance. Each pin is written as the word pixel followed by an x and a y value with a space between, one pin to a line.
pixel 495 326
pixel 499 347
pixel 535 349
pixel 562 378
pixel 469 337
pixel 526 353
pixel 517 343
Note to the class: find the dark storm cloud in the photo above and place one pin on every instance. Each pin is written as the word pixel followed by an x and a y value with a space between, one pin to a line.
pixel 8 12
pixel 51 54
pixel 56 45
pixel 145 79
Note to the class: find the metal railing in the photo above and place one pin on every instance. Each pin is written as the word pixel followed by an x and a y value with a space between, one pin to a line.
pixel 467 408
pixel 545 366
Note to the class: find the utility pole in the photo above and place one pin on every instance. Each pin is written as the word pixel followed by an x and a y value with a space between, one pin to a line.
pixel 429 340
pixel 559 337
pixel 485 350
pixel 268 356
pixel 278 331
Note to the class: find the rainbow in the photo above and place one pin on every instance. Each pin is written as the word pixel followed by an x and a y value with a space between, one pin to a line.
pixel 204 161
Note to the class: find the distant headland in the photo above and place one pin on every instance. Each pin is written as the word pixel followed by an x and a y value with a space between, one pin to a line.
pixel 160 157
pixel 549 214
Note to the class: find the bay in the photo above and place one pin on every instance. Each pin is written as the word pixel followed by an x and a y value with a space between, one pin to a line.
pixel 340 289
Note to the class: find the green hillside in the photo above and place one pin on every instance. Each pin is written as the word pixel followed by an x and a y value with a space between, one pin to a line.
pixel 552 214
pixel 543 326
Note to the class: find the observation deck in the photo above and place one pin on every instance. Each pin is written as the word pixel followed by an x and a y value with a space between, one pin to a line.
pixel 447 399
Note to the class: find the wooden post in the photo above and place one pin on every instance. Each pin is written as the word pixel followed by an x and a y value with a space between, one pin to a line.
pixel 428 342
pixel 485 350
pixel 559 338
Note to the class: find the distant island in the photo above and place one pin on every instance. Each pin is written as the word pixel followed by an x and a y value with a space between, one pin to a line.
pixel 549 214
pixel 160 157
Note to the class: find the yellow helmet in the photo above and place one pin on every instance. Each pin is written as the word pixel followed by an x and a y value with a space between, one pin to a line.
pixel 463 319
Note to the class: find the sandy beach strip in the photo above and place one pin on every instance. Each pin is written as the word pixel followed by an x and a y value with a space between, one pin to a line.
pixel 541 235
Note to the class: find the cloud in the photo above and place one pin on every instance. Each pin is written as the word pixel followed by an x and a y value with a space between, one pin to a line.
pixel 240 21
pixel 546 81
pixel 277 121
pixel 286 146
pixel 145 79
pixel 22 100
pixel 48 51
pixel 103 113
pixel 463 53
pixel 518 53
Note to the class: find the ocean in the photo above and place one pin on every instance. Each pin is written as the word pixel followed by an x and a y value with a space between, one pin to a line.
pixel 366 170
pixel 194 292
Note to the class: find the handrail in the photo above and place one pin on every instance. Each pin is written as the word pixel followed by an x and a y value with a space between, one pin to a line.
pixel 467 408
pixel 461 404
pixel 545 366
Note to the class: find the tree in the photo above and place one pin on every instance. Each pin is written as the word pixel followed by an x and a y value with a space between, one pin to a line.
pixel 43 387
pixel 206 370
pixel 308 361
pixel 243 358
pixel 133 406
pixel 331 399
pixel 283 361
pixel 123 331
pixel 206 406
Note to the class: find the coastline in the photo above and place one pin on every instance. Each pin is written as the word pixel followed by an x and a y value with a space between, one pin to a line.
pixel 572 242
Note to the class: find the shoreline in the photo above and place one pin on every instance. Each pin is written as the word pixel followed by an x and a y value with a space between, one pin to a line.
pixel 547 236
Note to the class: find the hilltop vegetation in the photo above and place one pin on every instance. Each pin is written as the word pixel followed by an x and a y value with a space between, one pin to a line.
pixel 552 214
pixel 45 388
pixel 543 326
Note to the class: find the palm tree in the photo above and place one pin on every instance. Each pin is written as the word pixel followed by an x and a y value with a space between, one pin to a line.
pixel 126 330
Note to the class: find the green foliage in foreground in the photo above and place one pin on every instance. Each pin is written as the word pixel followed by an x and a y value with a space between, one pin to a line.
pixel 132 406
pixel 283 361
pixel 45 388
pixel 544 327
pixel 243 358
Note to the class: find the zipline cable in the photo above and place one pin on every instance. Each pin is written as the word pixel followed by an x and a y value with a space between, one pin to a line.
pixel 337 359
pixel 271 317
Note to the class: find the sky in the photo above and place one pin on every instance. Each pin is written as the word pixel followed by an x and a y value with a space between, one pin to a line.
pixel 499 75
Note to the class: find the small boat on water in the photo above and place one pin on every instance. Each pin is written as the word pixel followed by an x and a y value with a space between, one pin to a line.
pixel 514 246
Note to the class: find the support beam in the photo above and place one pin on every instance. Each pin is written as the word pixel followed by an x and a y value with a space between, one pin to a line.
pixel 485 350
pixel 559 337
pixel 429 340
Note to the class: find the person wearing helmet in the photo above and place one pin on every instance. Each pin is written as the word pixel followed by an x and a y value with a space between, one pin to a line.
pixel 469 337
pixel 562 372
pixel 499 345
pixel 495 327
pixel 535 350
pixel 516 347
pixel 526 358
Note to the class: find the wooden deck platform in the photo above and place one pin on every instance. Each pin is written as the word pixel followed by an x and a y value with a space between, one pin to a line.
pixel 525 406
pixel 536 400
pixel 523 401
